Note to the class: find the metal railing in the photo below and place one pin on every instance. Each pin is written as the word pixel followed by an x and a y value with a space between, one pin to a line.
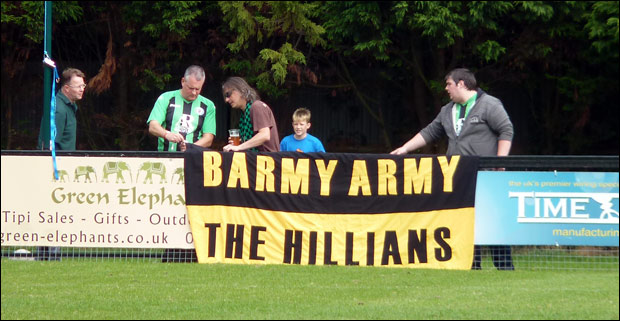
pixel 604 163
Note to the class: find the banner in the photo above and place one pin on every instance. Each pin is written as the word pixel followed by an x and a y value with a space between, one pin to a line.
pixel 331 208
pixel 547 208
pixel 118 202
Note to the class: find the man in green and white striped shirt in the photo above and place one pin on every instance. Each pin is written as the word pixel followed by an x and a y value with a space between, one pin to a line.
pixel 183 116
pixel 179 117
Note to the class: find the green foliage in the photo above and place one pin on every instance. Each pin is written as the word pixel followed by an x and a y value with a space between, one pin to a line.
pixel 241 23
pixel 280 59
pixel 294 18
pixel 489 51
pixel 154 35
pixel 441 21
pixel 240 67
pixel 265 85
pixel 572 76
pixel 437 86
pixel 370 27
pixel 551 55
pixel 488 14
pixel 535 10
pixel 279 23
pixel 30 15
pixel 251 21
pixel 178 17
pixel 602 27
pixel 358 26
pixel 153 79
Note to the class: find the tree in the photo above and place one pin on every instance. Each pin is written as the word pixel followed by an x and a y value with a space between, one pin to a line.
pixel 540 47
pixel 268 37
pixel 554 64
pixel 22 39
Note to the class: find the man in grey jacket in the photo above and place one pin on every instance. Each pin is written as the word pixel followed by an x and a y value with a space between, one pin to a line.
pixel 475 123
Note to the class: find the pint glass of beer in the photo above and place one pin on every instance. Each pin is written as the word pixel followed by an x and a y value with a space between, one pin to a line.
pixel 234 136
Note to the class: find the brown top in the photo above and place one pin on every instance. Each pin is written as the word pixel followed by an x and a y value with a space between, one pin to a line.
pixel 262 116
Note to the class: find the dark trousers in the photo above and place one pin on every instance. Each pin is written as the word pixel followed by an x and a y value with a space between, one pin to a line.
pixel 48 253
pixel 502 257
pixel 179 256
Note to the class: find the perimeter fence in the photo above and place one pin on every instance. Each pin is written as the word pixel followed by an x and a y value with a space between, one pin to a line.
pixel 525 257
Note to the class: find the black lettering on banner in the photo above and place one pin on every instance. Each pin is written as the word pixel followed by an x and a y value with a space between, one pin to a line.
pixel 349 251
pixel 212 237
pixel 390 248
pixel 290 244
pixel 405 184
pixel 327 254
pixel 370 248
pixel 236 241
pixel 441 234
pixel 417 245
pixel 255 241
pixel 312 249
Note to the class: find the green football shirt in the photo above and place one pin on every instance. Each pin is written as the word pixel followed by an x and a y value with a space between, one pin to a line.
pixel 192 119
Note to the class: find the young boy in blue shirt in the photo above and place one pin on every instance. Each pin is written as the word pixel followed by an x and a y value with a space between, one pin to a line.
pixel 301 141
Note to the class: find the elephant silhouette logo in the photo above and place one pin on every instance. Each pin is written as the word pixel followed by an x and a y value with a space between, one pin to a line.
pixel 178 171
pixel 62 175
pixel 84 171
pixel 117 168
pixel 153 168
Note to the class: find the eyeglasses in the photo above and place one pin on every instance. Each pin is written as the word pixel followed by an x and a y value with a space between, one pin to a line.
pixel 228 94
pixel 83 86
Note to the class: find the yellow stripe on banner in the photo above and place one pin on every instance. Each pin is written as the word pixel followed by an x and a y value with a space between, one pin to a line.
pixel 441 239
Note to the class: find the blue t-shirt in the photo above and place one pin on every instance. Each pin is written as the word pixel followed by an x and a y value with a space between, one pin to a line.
pixel 309 144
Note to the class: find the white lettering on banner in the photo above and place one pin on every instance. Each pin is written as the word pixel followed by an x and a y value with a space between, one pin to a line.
pixel 558 207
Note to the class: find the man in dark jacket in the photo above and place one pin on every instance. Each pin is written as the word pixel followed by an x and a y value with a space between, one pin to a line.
pixel 71 90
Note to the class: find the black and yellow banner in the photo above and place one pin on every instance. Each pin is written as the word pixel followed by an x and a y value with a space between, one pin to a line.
pixel 331 209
